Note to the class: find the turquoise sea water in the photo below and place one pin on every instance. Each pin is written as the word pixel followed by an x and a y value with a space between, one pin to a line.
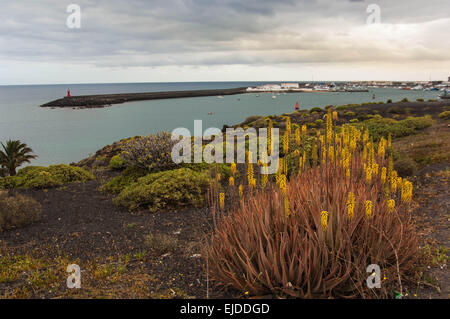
pixel 67 135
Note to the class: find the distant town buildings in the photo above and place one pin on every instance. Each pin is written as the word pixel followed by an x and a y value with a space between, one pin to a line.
pixel 290 85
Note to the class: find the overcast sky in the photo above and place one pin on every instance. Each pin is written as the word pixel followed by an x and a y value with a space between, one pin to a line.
pixel 214 40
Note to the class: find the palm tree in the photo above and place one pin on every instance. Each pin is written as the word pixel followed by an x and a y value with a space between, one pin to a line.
pixel 14 154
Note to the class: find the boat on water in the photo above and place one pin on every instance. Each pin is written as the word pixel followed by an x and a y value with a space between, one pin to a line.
pixel 445 95
pixel 274 96
pixel 220 97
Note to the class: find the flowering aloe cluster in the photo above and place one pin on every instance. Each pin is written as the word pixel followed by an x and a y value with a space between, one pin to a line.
pixel 151 152
pixel 313 231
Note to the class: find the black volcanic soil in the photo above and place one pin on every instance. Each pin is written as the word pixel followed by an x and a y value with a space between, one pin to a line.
pixel 82 223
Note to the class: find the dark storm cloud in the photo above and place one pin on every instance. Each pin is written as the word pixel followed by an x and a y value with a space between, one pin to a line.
pixel 213 32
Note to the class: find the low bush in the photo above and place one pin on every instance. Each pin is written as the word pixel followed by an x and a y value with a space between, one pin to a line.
pixel 405 166
pixel 445 115
pixel 396 110
pixel 116 163
pixel 404 100
pixel 379 127
pixel 17 211
pixel 129 176
pixel 46 177
pixel 176 188
pixel 389 101
pixel 152 152
pixel 318 122
pixel 315 109
pixel 349 114
pixel 420 100
pixel 354 121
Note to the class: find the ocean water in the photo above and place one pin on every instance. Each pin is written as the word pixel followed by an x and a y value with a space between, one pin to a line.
pixel 67 135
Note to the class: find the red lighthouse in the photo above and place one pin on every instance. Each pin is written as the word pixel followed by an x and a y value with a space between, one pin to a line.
pixel 68 93
pixel 297 107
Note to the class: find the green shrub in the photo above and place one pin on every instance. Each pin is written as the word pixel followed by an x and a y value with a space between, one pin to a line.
pixel 152 152
pixel 404 100
pixel 129 176
pixel 315 109
pixel 379 127
pixel 405 166
pixel 168 189
pixel 341 107
pixel 46 177
pixel 420 100
pixel 445 115
pixel 318 122
pixel 396 110
pixel 354 121
pixel 349 114
pixel 17 211
pixel 116 163
pixel 389 101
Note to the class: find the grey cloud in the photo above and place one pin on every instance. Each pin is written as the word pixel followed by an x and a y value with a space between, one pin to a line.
pixel 213 32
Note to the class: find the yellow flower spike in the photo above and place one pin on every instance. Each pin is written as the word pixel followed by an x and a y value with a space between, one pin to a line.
pixel 383 175
pixel 288 125
pixel 368 206
pixel 259 163
pixel 406 194
pixel 335 115
pixel 297 136
pixel 329 126
pixel 219 177
pixel 222 200
pixel 375 169
pixel 250 168
pixel 393 180
pixel 241 191
pixel 368 174
pixel 331 153
pixel 231 181
pixel 350 205
pixel 287 211
pixel 381 147
pixel 399 182
pixel 296 153
pixel 366 136
pixel 304 130
pixel 233 168
pixel 324 219
pixel 283 183
pixel 264 180
pixel 391 205
pixel 347 174
pixel 252 183
pixel 286 142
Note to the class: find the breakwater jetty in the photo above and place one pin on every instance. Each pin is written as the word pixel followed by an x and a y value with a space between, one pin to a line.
pixel 103 100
